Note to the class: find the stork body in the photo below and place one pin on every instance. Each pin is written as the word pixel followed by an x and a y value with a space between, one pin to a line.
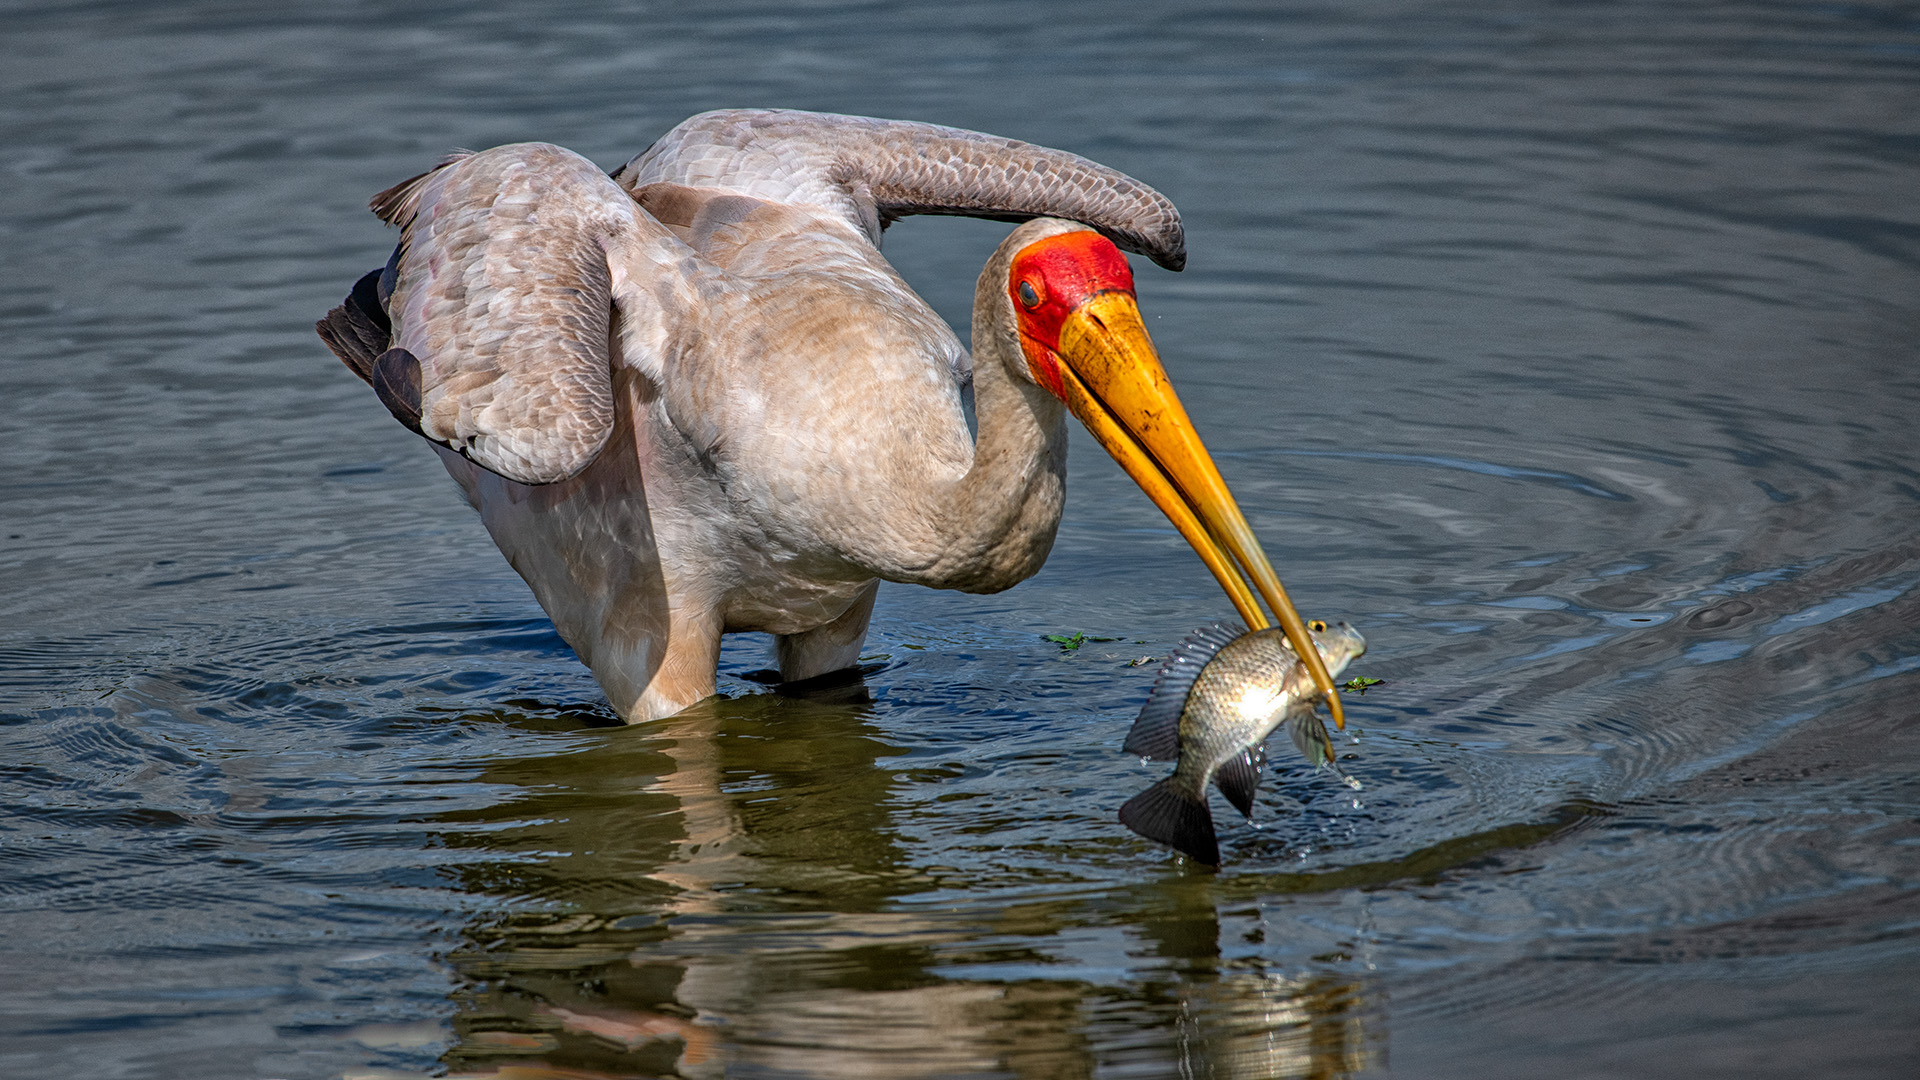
pixel 694 399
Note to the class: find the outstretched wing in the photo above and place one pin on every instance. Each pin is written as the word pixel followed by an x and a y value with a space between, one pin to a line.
pixel 515 268
pixel 872 172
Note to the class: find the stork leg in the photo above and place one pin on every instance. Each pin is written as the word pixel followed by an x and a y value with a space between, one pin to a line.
pixel 586 547
pixel 685 673
pixel 833 646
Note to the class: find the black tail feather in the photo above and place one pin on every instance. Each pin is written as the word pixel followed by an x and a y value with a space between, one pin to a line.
pixel 1162 813
pixel 358 331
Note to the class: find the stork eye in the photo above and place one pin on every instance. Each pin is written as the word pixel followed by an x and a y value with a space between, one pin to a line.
pixel 1317 626
pixel 1028 296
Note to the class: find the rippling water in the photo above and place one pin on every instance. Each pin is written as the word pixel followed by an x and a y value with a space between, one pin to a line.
pixel 1568 350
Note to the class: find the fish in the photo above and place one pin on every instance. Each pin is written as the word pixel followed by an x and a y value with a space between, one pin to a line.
pixel 1217 698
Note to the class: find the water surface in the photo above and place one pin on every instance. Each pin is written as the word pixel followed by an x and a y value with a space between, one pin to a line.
pixel 1569 351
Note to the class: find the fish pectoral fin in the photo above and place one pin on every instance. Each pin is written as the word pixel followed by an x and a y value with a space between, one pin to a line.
pixel 1310 736
pixel 1163 814
pixel 1239 778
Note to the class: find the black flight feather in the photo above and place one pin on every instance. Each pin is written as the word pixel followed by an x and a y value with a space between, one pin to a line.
pixel 389 277
pixel 396 379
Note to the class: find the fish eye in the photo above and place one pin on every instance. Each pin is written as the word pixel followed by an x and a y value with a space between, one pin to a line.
pixel 1317 626
pixel 1028 296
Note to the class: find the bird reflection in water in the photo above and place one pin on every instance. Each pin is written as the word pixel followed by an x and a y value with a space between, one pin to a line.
pixel 719 893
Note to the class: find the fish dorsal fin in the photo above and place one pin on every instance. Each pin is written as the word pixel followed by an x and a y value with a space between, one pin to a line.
pixel 1156 733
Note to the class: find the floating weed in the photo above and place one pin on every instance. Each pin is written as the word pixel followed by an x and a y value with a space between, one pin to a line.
pixel 1070 643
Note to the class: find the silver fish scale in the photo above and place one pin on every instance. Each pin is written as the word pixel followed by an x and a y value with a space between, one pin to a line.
pixel 1238 699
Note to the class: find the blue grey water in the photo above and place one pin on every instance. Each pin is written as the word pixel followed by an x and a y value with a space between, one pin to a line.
pixel 1568 350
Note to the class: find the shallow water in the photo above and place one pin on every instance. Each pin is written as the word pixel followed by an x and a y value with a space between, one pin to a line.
pixel 1568 351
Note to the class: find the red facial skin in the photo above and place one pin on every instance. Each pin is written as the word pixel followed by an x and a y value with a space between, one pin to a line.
pixel 1065 271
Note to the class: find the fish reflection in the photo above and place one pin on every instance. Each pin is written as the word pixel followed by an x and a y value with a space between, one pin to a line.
pixel 1253 1025
pixel 721 893
pixel 1233 1019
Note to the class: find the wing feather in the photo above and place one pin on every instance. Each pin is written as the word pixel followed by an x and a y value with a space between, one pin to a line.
pixel 871 172
pixel 504 295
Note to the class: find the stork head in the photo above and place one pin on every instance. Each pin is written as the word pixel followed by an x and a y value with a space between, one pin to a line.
pixel 1070 295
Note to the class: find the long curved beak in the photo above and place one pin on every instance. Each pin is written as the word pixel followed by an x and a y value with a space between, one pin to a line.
pixel 1115 384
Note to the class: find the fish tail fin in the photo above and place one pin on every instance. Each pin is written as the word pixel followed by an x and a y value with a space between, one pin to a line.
pixel 1164 814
